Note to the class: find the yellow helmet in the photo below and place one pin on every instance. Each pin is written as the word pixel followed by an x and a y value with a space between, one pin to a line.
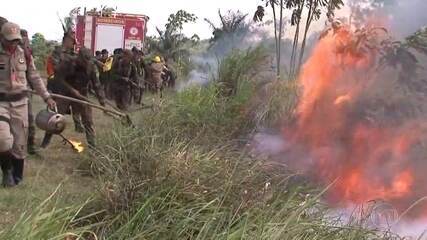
pixel 157 59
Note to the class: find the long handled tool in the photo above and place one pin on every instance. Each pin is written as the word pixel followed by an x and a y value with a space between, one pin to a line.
pixel 110 112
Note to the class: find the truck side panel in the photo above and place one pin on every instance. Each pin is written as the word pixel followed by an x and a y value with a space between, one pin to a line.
pixel 109 37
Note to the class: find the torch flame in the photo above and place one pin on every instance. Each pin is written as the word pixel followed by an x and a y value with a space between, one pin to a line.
pixel 77 146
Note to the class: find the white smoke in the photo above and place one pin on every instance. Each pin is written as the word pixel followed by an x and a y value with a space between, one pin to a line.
pixel 407 16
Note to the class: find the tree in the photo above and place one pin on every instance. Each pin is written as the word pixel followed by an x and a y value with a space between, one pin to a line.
pixel 41 49
pixel 314 11
pixel 171 42
pixel 278 25
pixel 232 27
pixel 69 22
pixel 295 21
pixel 315 8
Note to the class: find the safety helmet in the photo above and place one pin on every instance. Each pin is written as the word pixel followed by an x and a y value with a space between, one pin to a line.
pixel 157 59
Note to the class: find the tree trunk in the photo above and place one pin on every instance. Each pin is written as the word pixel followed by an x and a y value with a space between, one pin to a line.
pixel 275 37
pixel 307 27
pixel 295 42
pixel 279 57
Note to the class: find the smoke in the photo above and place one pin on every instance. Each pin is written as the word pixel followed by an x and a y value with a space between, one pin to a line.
pixel 407 16
pixel 206 62
pixel 404 16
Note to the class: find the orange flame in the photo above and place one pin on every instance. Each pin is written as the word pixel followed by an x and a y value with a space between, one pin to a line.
pixel 370 162
pixel 78 146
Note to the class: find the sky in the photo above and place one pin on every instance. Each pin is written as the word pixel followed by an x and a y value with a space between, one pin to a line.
pixel 42 15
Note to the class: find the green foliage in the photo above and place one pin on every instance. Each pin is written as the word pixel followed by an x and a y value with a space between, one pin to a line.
pixel 399 54
pixel 314 10
pixel 171 43
pixel 418 41
pixel 403 57
pixel 176 21
pixel 218 110
pixel 232 23
pixel 237 67
pixel 46 221
pixel 278 106
pixel 41 49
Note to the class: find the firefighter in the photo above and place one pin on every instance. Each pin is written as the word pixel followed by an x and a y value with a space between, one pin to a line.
pixel 13 103
pixel 25 45
pixel 155 80
pixel 75 75
pixel 169 74
pixel 65 52
pixel 124 74
pixel 98 55
pixel 98 61
pixel 105 73
pixel 138 88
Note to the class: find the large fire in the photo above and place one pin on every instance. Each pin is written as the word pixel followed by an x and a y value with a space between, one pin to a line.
pixel 335 141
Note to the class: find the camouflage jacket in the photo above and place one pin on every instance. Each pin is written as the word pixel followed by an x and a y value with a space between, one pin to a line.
pixel 73 76
pixel 124 72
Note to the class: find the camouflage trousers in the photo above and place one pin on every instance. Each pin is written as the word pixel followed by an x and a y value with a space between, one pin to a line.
pixel 122 96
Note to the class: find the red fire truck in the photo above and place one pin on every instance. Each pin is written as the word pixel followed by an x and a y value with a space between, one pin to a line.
pixel 117 30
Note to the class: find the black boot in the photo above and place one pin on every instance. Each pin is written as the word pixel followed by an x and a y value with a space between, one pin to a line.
pixel 78 125
pixel 90 138
pixel 31 148
pixel 7 169
pixel 8 180
pixel 79 128
pixel 18 170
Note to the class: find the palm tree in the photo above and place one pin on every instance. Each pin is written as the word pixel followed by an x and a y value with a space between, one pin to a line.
pixel 314 8
pixel 232 26
pixel 171 42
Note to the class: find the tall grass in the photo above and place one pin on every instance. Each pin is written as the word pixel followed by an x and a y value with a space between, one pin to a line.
pixel 183 175
pixel 277 105
pixel 46 221
pixel 222 193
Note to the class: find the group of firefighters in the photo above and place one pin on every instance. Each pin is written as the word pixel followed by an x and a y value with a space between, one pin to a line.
pixel 122 77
